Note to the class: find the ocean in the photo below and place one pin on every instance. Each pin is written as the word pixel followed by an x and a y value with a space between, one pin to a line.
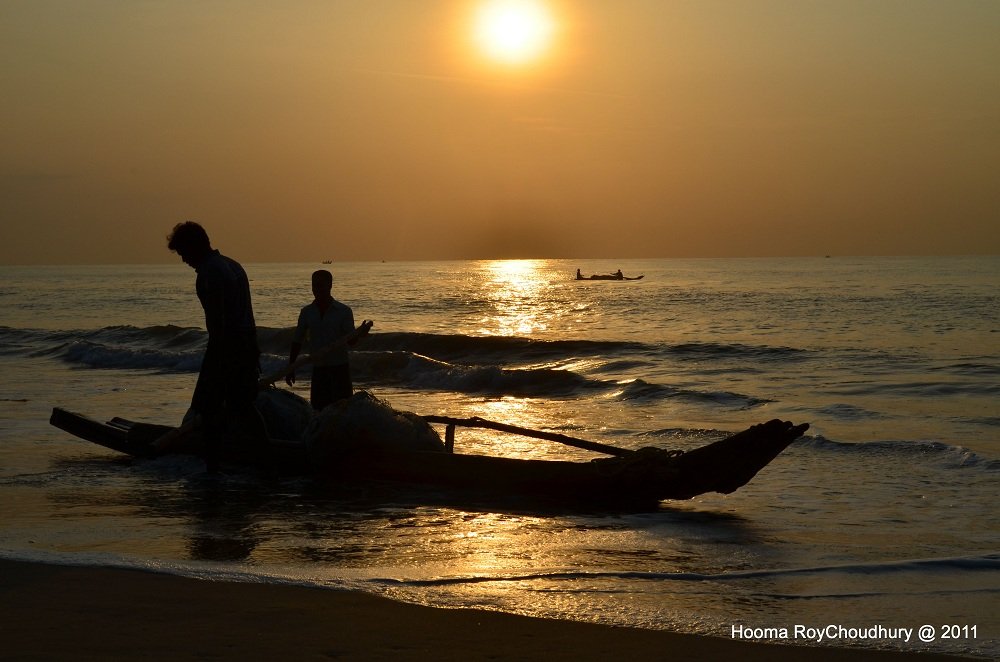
pixel 878 529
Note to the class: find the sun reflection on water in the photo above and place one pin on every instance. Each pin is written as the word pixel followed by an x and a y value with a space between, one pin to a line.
pixel 514 290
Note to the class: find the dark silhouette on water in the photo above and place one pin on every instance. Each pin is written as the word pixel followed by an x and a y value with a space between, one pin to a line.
pixel 618 275
pixel 223 400
pixel 637 478
pixel 324 321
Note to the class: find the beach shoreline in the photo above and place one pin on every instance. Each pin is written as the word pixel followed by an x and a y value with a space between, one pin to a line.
pixel 62 612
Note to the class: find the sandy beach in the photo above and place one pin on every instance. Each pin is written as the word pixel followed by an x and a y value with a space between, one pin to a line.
pixel 54 612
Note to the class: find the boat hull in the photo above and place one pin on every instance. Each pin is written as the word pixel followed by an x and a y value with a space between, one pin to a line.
pixel 644 476
pixel 610 277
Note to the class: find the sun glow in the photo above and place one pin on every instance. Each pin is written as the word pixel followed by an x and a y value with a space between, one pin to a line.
pixel 513 32
pixel 513 288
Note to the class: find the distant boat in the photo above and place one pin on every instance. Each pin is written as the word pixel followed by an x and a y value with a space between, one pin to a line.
pixel 327 261
pixel 615 276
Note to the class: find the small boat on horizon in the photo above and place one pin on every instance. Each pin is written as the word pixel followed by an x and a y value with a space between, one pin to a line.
pixel 618 275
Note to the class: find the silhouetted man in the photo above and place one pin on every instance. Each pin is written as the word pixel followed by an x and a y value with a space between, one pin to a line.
pixel 227 384
pixel 325 320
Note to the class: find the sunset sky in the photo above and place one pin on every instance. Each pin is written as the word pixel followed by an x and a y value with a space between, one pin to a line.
pixel 425 129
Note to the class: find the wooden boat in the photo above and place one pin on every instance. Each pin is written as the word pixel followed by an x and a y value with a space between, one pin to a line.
pixel 644 476
pixel 610 277
pixel 615 276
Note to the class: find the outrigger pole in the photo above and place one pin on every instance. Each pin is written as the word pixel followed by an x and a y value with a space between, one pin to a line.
pixel 477 422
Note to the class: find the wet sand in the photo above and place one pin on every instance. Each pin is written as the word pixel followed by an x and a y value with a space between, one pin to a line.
pixel 50 612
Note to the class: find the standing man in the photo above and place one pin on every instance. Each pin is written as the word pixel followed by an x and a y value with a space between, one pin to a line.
pixel 227 383
pixel 325 320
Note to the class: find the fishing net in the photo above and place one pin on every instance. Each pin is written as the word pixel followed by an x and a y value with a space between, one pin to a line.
pixel 364 421
pixel 286 415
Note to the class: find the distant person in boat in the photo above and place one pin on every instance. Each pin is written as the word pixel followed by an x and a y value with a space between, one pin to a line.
pixel 227 383
pixel 324 321
pixel 619 275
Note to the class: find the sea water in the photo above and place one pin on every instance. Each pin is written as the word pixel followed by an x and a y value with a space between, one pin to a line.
pixel 881 520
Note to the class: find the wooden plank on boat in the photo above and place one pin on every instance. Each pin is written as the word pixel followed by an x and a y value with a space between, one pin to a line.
pixel 476 422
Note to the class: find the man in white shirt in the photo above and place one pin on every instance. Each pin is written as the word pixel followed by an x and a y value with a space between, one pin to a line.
pixel 324 321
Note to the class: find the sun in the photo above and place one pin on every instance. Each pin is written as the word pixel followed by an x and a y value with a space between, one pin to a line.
pixel 513 32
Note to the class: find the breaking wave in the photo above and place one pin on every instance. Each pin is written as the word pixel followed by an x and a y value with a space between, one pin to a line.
pixel 912 451
pixel 984 563
pixel 491 366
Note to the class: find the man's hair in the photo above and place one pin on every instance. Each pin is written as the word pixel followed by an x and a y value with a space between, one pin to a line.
pixel 188 238
pixel 323 277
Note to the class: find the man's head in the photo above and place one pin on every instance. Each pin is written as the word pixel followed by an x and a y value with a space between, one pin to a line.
pixel 322 283
pixel 190 241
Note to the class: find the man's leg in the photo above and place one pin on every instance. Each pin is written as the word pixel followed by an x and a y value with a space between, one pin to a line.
pixel 321 388
pixel 246 429
pixel 341 386
pixel 209 402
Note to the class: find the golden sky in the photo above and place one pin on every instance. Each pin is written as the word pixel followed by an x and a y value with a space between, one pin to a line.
pixel 418 129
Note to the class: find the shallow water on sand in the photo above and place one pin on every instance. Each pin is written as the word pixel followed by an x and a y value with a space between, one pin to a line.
pixel 881 515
